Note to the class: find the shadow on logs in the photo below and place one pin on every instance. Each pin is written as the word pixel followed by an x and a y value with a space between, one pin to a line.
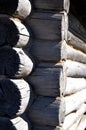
pixel 12 32
pixel 21 8
pixel 14 97
pixel 13 124
pixel 14 62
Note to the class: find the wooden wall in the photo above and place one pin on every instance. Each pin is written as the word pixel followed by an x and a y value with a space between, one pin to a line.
pixel 49 24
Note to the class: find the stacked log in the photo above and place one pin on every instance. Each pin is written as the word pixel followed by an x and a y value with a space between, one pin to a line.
pixel 15 65
pixel 49 24
pixel 75 99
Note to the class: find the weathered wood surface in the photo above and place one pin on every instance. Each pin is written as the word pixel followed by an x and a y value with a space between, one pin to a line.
pixel 77 28
pixel 76 42
pixel 22 33
pixel 59 5
pixel 47 128
pixel 21 8
pixel 75 69
pixel 14 63
pixel 74 85
pixel 47 111
pixel 75 55
pixel 48 51
pixel 73 117
pixel 82 123
pixel 48 26
pixel 14 97
pixel 73 102
pixel 12 32
pixel 48 81
pixel 13 124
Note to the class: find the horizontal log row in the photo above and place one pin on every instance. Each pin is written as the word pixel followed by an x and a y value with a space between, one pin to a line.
pixel 19 8
pixel 48 81
pixel 74 117
pixel 47 128
pixel 48 51
pixel 47 111
pixel 48 26
pixel 13 124
pixel 59 5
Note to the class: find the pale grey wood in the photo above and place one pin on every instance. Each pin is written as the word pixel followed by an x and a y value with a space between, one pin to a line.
pixel 76 42
pixel 73 102
pixel 75 69
pixel 47 111
pixel 48 81
pixel 46 128
pixel 26 64
pixel 73 117
pixel 48 26
pixel 74 85
pixel 23 9
pixel 48 51
pixel 82 123
pixel 59 5
pixel 23 33
pixel 75 55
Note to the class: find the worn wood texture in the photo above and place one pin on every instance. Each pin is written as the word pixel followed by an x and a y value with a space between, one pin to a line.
pixel 21 8
pixel 48 51
pixel 59 5
pixel 76 42
pixel 75 69
pixel 82 123
pixel 74 101
pixel 47 128
pixel 47 111
pixel 73 117
pixel 74 85
pixel 77 28
pixel 48 26
pixel 75 55
pixel 14 62
pixel 13 124
pixel 48 81
pixel 12 32
pixel 14 97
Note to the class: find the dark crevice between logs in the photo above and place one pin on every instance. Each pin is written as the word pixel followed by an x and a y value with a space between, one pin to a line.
pixel 8 6
pixel 78 8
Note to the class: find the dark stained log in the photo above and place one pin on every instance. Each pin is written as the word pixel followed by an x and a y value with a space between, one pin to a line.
pixel 20 8
pixel 74 85
pixel 48 81
pixel 14 97
pixel 74 101
pixel 75 69
pixel 14 62
pixel 47 111
pixel 48 26
pixel 47 128
pixel 72 118
pixel 76 28
pixel 13 32
pixel 48 50
pixel 59 5
pixel 13 124
pixel 76 55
